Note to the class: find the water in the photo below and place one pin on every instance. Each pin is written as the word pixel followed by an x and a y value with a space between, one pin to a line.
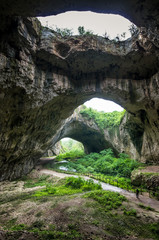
pixel 66 169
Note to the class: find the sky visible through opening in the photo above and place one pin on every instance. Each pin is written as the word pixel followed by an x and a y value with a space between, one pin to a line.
pixel 103 105
pixel 99 23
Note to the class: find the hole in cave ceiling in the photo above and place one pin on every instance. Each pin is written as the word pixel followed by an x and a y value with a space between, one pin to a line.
pixel 106 25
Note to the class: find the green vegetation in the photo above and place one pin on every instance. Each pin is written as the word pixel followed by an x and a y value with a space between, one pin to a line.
pixel 102 119
pixel 64 32
pixel 70 144
pixel 94 215
pixel 108 200
pixel 104 162
pixel 41 181
pixel 103 166
pixel 85 185
pixel 121 182
pixel 73 154
pixel 70 149
pixel 84 32
pixel 131 212
pixel 72 185
pixel 146 207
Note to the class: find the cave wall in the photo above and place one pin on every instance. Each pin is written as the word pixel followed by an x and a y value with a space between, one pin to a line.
pixel 43 78
pixel 95 139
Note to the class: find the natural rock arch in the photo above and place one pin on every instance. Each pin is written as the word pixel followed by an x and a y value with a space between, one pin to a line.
pixel 41 84
pixel 95 139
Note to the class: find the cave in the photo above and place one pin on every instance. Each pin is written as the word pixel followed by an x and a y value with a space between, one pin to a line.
pixel 44 78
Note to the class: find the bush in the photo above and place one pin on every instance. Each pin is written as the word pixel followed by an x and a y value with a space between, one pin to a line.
pixel 85 185
pixel 102 119
pixel 73 154
pixel 104 163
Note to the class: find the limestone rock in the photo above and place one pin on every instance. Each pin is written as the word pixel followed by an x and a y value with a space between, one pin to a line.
pixel 44 77
pixel 148 177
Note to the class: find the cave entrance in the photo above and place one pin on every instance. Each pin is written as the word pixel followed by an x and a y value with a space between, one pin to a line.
pixel 110 26
pixel 100 104
pixel 71 145
pixel 88 125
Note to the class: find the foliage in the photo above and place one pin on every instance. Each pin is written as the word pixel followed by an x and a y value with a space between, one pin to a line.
pixel 41 181
pixel 73 154
pixel 85 185
pixel 109 200
pixel 72 185
pixel 146 207
pixel 102 119
pixel 105 163
pixel 131 212
pixel 64 32
pixel 133 29
pixel 71 145
pixel 121 182
pixel 83 32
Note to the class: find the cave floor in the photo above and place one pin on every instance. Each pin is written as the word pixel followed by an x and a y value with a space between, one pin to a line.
pixel 71 216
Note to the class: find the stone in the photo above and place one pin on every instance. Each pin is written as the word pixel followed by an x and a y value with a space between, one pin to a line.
pixel 44 77
pixel 95 139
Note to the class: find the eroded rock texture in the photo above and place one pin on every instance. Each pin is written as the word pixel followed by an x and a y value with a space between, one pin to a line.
pixel 95 139
pixel 43 78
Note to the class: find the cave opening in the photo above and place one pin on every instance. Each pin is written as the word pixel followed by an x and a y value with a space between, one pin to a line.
pixel 70 144
pixel 89 124
pixel 104 105
pixel 109 26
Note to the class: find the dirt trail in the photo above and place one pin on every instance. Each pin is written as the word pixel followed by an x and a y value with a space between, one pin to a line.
pixel 145 200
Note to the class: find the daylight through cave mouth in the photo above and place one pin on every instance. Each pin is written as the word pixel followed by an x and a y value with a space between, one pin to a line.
pixel 111 26
pixel 87 125
pixel 101 104
pixel 70 144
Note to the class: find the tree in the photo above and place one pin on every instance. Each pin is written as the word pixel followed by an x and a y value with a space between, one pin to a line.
pixel 133 29
pixel 64 31
pixel 81 30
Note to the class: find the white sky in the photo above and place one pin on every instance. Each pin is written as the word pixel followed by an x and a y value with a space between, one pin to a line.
pixel 99 24
pixel 103 105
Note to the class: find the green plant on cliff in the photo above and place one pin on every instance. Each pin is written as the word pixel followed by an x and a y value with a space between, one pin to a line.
pixel 64 32
pixel 83 32
pixel 102 119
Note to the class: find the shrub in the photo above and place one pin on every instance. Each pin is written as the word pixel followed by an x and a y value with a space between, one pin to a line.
pixel 102 119
pixel 85 185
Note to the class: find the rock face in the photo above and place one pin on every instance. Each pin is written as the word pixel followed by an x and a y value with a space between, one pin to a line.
pixel 95 139
pixel 44 77
pixel 147 177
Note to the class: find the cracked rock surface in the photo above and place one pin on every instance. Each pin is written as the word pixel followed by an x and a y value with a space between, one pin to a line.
pixel 44 77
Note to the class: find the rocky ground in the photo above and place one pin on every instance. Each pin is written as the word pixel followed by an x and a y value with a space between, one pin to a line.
pixel 23 216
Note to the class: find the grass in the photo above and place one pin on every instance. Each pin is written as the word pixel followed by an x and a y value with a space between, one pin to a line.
pixel 96 214
pixel 71 186
pixel 131 212
pixel 108 200
pixel 41 181
pixel 146 207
